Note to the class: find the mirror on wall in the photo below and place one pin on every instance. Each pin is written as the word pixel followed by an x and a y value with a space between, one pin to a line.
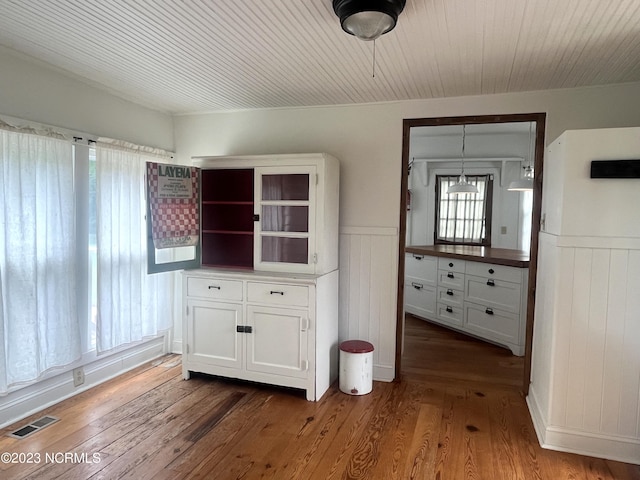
pixel 495 155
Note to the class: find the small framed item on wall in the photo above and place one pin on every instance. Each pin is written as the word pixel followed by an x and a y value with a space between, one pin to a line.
pixel 615 169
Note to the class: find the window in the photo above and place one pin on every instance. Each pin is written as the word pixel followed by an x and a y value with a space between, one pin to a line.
pixel 73 281
pixel 463 219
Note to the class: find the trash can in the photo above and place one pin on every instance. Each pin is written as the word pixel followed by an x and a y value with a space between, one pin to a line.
pixel 356 367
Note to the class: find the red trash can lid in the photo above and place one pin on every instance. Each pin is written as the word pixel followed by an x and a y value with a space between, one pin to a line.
pixel 356 346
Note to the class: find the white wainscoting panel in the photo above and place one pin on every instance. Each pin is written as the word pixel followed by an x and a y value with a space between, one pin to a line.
pixel 585 391
pixel 368 290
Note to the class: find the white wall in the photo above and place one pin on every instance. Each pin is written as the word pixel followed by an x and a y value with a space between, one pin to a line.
pixel 585 383
pixel 31 90
pixel 367 139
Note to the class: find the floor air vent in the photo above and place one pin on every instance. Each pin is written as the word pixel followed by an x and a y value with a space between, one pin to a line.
pixel 33 427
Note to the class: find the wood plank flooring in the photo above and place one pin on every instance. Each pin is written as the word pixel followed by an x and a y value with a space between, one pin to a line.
pixel 456 414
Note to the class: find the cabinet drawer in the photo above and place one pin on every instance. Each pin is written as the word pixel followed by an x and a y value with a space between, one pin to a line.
pixel 419 298
pixel 449 314
pixel 493 324
pixel 451 264
pixel 451 279
pixel 499 272
pixel 214 288
pixel 278 294
pixel 422 267
pixel 493 293
pixel 450 296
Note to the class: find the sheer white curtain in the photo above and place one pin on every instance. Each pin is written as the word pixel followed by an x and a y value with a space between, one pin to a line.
pixel 39 327
pixel 131 304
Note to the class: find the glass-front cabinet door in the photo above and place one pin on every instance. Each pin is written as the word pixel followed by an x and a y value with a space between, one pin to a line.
pixel 285 211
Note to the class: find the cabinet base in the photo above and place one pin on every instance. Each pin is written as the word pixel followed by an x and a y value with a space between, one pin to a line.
pixel 309 393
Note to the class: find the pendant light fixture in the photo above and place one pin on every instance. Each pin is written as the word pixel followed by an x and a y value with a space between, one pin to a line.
pixel 524 184
pixel 368 19
pixel 462 186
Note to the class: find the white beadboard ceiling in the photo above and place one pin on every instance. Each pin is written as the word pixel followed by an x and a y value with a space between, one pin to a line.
pixel 215 55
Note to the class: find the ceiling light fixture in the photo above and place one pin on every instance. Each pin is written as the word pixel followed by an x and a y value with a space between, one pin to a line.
pixel 462 186
pixel 368 19
pixel 524 184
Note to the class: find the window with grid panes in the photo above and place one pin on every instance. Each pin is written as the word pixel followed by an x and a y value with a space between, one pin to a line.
pixel 463 219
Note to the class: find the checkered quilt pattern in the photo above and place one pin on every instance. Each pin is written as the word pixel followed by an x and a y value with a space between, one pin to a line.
pixel 175 217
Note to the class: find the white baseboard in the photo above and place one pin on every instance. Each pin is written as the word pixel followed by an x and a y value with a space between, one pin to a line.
pixel 176 347
pixel 33 398
pixel 592 444
pixel 384 373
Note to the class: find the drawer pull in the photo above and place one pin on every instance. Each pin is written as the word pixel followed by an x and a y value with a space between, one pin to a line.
pixel 489 311
pixel 449 309
pixel 418 257
pixel 450 292
pixel 217 287
pixel 451 264
pixel 276 292
pixel 492 271
pixel 417 286
pixel 450 275
pixel 491 283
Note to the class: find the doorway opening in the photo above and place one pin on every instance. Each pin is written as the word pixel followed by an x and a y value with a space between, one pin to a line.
pixel 487 125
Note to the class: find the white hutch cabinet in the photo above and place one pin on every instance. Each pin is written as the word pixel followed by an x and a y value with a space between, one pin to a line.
pixel 264 305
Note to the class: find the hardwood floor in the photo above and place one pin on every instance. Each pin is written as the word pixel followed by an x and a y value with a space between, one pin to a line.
pixel 456 414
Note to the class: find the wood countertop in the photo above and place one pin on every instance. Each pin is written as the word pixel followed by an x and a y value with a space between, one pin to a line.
pixel 498 256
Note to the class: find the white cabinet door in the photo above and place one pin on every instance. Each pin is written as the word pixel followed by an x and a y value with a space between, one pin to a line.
pixel 277 343
pixel 285 202
pixel 213 338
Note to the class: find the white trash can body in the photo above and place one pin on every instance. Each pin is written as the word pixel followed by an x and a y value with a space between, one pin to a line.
pixel 356 367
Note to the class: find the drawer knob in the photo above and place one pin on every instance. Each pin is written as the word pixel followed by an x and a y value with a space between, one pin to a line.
pixel 276 292
pixel 449 309
pixel 491 283
pixel 418 257
pixel 489 311
pixel 450 275
pixel 451 264
pixel 217 287
pixel 492 271
pixel 417 286
pixel 450 292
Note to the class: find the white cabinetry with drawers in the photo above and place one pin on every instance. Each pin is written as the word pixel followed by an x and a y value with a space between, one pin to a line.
pixel 486 300
pixel 269 328
pixel 421 281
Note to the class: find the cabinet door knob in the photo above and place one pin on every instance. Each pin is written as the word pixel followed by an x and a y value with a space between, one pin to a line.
pixel 450 292
pixel 492 271
pixel 450 264
pixel 450 275
pixel 417 286
pixel 489 311
pixel 449 309
pixel 276 292
pixel 217 287
pixel 491 283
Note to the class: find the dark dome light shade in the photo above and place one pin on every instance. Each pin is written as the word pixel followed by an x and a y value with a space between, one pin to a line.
pixel 368 19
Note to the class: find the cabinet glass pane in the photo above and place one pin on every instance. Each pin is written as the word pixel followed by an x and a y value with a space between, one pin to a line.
pixel 285 187
pixel 285 218
pixel 286 250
